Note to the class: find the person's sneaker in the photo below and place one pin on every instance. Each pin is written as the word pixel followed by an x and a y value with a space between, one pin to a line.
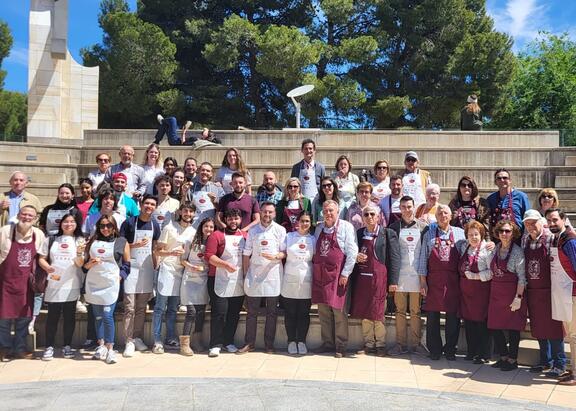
pixel 139 344
pixel 68 352
pixel 566 375
pixel 89 345
pixel 498 364
pixel 188 124
pixel 302 349
pixel 100 353
pixel 214 352
pixel 159 118
pixel 554 373
pixel 183 309
pixel 397 350
pixel 381 351
pixel 509 366
pixel 231 348
pixel 158 348
pixel 479 360
pixel 31 326
pixel 111 357
pixel 129 350
pixel 48 354
pixel 172 345
pixel 292 348
pixel 420 350
pixel 80 307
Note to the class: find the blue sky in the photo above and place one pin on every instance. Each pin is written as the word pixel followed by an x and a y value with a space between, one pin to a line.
pixel 522 19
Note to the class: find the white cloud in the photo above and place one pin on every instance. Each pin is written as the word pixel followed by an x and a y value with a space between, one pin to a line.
pixel 18 56
pixel 522 19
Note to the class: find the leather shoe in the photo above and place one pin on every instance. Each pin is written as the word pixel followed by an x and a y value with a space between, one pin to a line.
pixel 24 355
pixel 270 350
pixel 450 357
pixel 568 383
pixel 246 349
pixel 381 352
pixel 566 376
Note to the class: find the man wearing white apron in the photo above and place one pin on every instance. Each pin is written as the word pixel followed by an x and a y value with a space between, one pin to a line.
pixel 205 194
pixel 407 293
pixel 167 206
pixel 225 282
pixel 563 278
pixel 309 171
pixel 414 179
pixel 174 240
pixel 262 262
pixel 390 205
pixel 142 233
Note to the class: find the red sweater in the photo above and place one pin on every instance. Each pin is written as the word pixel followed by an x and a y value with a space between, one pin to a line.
pixel 215 246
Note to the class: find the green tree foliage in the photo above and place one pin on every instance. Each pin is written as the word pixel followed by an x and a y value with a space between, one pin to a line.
pixel 137 69
pixel 5 45
pixel 542 94
pixel 13 115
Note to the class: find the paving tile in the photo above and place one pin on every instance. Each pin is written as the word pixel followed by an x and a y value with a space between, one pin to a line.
pixel 563 399
pixel 526 393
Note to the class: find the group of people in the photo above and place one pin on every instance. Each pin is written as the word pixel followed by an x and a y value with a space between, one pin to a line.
pixel 350 244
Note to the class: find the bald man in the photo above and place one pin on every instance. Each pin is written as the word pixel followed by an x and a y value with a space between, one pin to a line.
pixel 135 186
pixel 12 201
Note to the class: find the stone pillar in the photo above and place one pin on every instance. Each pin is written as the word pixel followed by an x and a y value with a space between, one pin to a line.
pixel 62 94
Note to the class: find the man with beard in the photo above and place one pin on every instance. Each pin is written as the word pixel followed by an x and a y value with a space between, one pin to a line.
pixel 563 281
pixel 240 200
pixel 507 203
pixel 390 205
pixel 309 171
pixel 205 194
pixel 135 186
pixel 126 206
pixel 262 264
pixel 225 282
pixel 19 244
pixel 11 201
pixel 269 191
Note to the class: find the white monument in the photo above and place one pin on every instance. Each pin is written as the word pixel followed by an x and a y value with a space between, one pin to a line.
pixel 62 94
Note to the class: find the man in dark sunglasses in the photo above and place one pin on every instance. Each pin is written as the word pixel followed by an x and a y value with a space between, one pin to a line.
pixel 414 179
pixel 507 203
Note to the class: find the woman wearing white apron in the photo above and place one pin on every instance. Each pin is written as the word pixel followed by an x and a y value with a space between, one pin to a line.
pixel 151 166
pixel 194 289
pixel 51 215
pixel 174 240
pixel 380 181
pixel 107 205
pixel 61 257
pixel 142 234
pixel 346 180
pixel 297 284
pixel 107 260
pixel 225 282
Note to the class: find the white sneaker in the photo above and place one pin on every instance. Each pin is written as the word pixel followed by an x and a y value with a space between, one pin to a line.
pixel 159 118
pixel 100 353
pixel 31 327
pixel 158 348
pixel 139 344
pixel 292 348
pixel 111 357
pixel 188 124
pixel 48 354
pixel 68 352
pixel 182 309
pixel 302 349
pixel 129 350
pixel 80 307
pixel 214 352
pixel 231 348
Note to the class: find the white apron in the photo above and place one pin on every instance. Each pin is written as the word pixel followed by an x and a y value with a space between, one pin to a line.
pixel 103 280
pixel 297 280
pixel 381 189
pixel 63 284
pixel 408 280
pixel 412 186
pixel 561 289
pixel 226 183
pixel 307 179
pixel 230 284
pixel 53 220
pixel 141 278
pixel 162 217
pixel 194 288
pixel 204 207
pixel 264 276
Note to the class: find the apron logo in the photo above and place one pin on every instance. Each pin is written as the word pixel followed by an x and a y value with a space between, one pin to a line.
pixel 57 221
pixel 200 255
pixel 324 247
pixel 534 269
pixel 498 272
pixel 201 201
pixel 24 258
pixel 236 243
pixel 302 246
pixel 306 178
pixel 64 246
pixel 101 251
pixel 160 217
pixel 412 181
pixel 409 239
pixel 264 242
pixel 380 190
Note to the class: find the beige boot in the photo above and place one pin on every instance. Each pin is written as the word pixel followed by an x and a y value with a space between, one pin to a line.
pixel 196 342
pixel 185 345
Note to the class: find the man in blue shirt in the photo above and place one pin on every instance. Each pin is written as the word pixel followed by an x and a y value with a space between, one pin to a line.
pixel 507 203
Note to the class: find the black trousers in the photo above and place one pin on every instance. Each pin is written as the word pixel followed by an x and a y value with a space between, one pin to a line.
pixel 507 348
pixel 297 318
pixel 433 337
pixel 224 316
pixel 91 324
pixel 477 339
pixel 68 311
pixel 194 314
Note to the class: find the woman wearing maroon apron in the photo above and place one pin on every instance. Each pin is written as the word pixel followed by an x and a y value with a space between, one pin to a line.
pixel 549 333
pixel 379 255
pixel 293 203
pixel 467 205
pixel 507 309
pixel 438 269
pixel 474 270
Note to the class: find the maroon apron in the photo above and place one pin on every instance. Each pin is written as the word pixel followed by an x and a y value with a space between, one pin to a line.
pixel 464 214
pixel 443 288
pixel 16 297
pixel 539 293
pixel 502 292
pixel 474 294
pixel 290 217
pixel 327 265
pixel 369 284
pixel 502 213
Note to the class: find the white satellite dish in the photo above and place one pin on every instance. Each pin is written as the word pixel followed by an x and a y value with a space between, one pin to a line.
pixel 296 92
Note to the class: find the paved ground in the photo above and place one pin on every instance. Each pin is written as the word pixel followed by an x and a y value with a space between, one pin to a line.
pixel 260 381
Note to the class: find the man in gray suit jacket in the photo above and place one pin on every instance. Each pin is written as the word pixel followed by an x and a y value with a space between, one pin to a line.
pixel 308 171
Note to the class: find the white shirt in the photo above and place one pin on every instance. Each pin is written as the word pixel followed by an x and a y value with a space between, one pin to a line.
pixel 346 237
pixel 274 228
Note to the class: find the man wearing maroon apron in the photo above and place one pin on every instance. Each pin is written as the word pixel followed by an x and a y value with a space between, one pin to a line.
pixel 333 262
pixel 18 247
pixel 438 269
pixel 377 268
pixel 563 276
pixel 536 243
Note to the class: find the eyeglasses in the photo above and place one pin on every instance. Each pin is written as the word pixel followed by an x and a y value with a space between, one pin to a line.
pixel 293 186
pixel 411 160
pixel 504 230
pixel 364 192
pixel 102 160
pixel 381 168
pixel 327 185
pixel 109 226
pixel 466 185
pixel 369 214
pixel 502 178
pixel 547 196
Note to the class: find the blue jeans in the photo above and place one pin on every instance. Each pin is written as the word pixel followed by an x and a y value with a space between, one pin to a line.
pixel 552 353
pixel 18 343
pixel 104 319
pixel 168 305
pixel 38 298
pixel 169 127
